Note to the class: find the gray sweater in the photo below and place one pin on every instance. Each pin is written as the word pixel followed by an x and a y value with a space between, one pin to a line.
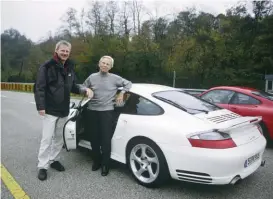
pixel 105 87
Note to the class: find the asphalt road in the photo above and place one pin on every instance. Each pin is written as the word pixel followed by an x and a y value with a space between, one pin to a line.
pixel 21 134
pixel 5 194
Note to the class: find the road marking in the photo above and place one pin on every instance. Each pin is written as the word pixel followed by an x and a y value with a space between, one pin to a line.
pixel 12 185
pixel 3 96
pixel 32 102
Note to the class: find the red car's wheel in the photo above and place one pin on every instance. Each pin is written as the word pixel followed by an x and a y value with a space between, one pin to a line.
pixel 266 133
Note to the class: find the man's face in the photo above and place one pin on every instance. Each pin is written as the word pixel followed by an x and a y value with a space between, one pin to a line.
pixel 63 52
pixel 105 65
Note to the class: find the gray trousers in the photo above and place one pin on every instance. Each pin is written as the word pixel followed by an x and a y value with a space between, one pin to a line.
pixel 52 140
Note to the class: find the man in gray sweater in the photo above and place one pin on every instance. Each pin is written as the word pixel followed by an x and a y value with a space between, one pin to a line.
pixel 100 112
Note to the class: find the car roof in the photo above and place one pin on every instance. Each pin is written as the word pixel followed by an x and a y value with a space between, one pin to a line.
pixel 236 88
pixel 147 89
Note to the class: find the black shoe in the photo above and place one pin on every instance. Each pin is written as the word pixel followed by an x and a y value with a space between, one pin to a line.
pixel 57 165
pixel 95 166
pixel 42 174
pixel 104 170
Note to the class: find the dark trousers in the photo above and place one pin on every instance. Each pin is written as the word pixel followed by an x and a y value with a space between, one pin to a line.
pixel 100 128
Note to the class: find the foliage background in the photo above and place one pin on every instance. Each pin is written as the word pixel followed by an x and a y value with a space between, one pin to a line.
pixel 232 48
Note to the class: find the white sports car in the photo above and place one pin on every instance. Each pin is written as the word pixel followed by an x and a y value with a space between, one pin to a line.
pixel 163 132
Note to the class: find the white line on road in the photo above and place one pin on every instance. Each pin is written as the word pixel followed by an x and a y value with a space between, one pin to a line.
pixel 32 102
pixel 3 96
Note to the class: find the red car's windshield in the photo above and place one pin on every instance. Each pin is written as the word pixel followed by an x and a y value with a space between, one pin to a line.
pixel 263 94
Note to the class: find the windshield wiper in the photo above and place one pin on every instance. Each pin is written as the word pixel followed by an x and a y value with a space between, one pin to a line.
pixel 179 106
pixel 172 103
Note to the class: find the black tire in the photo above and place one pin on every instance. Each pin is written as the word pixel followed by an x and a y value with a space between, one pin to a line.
pixel 266 134
pixel 163 173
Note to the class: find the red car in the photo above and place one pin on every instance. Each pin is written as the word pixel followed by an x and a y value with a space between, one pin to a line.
pixel 246 102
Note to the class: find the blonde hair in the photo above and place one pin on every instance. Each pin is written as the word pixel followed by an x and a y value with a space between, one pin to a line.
pixel 108 57
pixel 62 42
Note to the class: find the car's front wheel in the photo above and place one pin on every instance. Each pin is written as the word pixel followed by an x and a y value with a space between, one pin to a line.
pixel 147 163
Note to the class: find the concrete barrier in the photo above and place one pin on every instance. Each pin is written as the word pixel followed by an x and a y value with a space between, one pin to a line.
pixel 22 87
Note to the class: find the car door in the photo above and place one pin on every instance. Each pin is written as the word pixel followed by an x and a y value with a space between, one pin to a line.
pixel 220 97
pixel 136 110
pixel 137 115
pixel 245 105
pixel 70 131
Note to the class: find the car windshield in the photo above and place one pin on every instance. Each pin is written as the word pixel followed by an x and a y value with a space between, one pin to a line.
pixel 185 101
pixel 263 94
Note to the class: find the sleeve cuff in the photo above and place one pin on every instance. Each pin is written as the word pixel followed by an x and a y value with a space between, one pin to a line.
pixel 83 90
pixel 39 108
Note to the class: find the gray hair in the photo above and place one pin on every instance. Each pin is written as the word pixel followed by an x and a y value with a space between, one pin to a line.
pixel 108 57
pixel 62 42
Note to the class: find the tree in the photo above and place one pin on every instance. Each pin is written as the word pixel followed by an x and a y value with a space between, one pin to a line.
pixel 232 48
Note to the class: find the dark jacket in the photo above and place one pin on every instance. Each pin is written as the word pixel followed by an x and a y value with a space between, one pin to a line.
pixel 53 86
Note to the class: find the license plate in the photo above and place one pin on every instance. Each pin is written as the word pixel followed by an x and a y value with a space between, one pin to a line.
pixel 252 159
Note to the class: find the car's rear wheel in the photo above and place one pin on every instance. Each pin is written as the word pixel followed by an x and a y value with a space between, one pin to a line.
pixel 147 163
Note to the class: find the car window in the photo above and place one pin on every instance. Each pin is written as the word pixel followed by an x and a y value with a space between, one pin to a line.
pixel 185 101
pixel 263 94
pixel 240 98
pixel 218 96
pixel 138 105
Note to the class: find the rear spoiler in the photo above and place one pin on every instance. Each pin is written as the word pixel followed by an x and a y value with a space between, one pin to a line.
pixel 245 122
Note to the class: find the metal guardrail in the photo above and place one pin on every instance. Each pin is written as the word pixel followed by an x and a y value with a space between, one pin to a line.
pixel 21 87
pixel 16 86
pixel 28 87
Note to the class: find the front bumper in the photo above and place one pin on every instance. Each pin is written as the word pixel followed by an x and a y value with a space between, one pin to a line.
pixel 213 166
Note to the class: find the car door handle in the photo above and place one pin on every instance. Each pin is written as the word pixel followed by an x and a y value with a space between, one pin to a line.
pixel 234 108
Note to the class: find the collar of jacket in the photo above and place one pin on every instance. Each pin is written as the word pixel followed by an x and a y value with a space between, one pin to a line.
pixel 68 64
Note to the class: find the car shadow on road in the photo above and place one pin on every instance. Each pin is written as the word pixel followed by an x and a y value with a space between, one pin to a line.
pixel 269 146
pixel 192 189
pixel 180 186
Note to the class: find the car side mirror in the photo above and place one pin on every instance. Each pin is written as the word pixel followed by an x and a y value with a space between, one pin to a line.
pixel 72 105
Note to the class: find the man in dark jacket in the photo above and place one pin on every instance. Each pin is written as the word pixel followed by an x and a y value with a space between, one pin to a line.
pixel 55 81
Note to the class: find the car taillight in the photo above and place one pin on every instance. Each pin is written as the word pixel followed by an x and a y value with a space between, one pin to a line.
pixel 212 140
